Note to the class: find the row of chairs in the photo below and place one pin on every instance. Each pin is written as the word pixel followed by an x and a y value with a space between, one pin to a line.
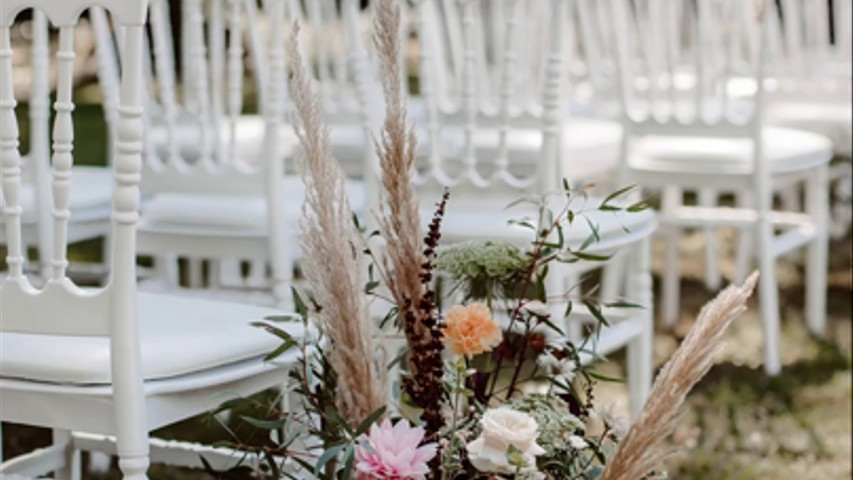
pixel 497 112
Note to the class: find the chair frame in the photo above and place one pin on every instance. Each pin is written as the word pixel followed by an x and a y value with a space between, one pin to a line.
pixel 504 114
pixel 803 229
pixel 117 416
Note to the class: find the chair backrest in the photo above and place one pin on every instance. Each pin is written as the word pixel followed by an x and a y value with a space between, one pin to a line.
pixel 808 37
pixel 61 307
pixel 192 144
pixel 472 125
pixel 679 66
pixel 591 57
pixel 332 36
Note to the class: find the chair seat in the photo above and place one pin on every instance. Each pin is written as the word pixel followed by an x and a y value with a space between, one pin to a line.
pixel 785 151
pixel 347 139
pixel 832 120
pixel 583 140
pixel 91 195
pixel 247 213
pixel 476 220
pixel 178 336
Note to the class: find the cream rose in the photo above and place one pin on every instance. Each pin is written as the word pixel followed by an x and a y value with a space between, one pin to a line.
pixel 503 427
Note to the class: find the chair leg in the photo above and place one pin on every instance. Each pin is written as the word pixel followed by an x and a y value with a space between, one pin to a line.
pixel 768 291
pixel 641 349
pixel 817 206
pixel 166 269
pixel 72 468
pixel 611 278
pixel 230 274
pixel 106 255
pixel 671 275
pixel 708 198
pixel 257 274
pixel 133 467
pixel 195 275
pixel 842 212
pixel 744 252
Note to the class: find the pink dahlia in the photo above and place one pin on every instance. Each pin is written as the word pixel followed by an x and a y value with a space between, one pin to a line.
pixel 393 453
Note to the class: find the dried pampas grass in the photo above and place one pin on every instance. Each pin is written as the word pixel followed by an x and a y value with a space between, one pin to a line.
pixel 639 452
pixel 333 258
pixel 407 260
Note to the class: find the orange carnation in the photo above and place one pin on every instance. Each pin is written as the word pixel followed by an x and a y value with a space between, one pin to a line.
pixel 470 330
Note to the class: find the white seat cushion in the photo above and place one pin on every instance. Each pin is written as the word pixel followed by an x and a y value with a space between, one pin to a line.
pixel 590 147
pixel 483 219
pixel 232 211
pixel 832 120
pixel 348 140
pixel 91 194
pixel 785 150
pixel 178 336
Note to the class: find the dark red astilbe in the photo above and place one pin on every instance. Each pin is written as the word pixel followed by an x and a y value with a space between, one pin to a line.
pixel 427 391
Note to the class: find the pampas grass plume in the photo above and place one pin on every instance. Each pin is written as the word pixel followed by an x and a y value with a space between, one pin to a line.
pixel 640 451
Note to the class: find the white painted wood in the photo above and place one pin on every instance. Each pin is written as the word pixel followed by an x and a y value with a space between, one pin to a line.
pixel 125 405
pixel 641 349
pixel 486 103
pixel 39 138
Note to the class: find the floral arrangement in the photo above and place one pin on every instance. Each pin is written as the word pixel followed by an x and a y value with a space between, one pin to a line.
pixel 491 387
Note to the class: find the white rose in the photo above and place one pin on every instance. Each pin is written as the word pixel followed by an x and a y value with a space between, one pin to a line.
pixel 503 427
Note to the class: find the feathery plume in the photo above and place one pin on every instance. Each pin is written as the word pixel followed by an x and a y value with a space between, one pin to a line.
pixel 639 452
pixel 407 256
pixel 333 259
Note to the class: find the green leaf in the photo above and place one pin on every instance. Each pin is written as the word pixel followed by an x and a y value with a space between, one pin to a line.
pixel 298 304
pixel 275 331
pixel 284 318
pixel 609 208
pixel 274 471
pixel 604 378
pixel 623 304
pixel 232 404
pixel 569 306
pixel 618 193
pixel 551 325
pixel 370 420
pixel 284 347
pixel 303 463
pixel 595 310
pixel 591 257
pixel 594 228
pixel 371 286
pixel 264 424
pixel 329 454
pixel 349 462
pixel 522 223
pixel 397 359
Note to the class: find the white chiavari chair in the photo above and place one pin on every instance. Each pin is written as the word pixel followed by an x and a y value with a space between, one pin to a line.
pixel 211 89
pixel 104 366
pixel 701 135
pixel 89 204
pixel 470 138
pixel 811 85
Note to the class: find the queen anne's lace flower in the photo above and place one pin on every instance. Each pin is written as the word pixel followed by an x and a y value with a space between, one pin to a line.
pixel 561 369
pixel 477 259
pixel 393 453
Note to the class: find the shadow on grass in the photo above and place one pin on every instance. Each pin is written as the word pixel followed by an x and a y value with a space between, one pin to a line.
pixel 751 384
